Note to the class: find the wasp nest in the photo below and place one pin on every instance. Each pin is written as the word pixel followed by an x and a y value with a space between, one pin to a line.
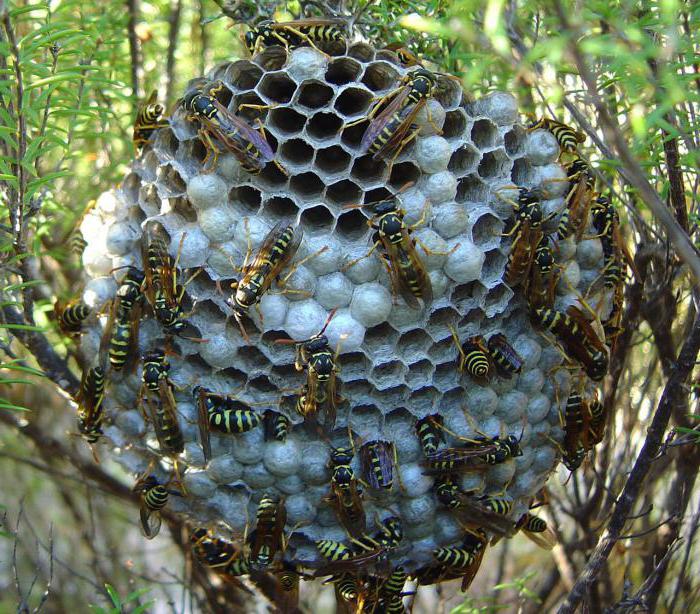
pixel 397 364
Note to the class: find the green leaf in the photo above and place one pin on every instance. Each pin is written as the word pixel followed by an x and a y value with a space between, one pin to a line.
pixel 113 595
pixel 7 405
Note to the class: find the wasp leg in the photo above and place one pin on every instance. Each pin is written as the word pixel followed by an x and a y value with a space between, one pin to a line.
pixel 401 146
pixel 354 262
pixel 212 151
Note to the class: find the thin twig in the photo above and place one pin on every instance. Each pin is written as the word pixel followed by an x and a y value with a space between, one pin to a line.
pixel 173 32
pixel 134 49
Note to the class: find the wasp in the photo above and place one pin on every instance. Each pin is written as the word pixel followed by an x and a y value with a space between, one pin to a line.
pixel 293 34
pixel 377 458
pixel 346 492
pixel 275 253
pixel 71 316
pixel 406 270
pixel 578 200
pixel 405 55
pixel 568 138
pixel 249 146
pixel 480 451
pixel 163 289
pixel 536 530
pixel 321 390
pixel 542 283
pixel 221 413
pixel 89 399
pixel 276 425
pixel 153 497
pixel 121 331
pixel 267 539
pixel 474 358
pixel 346 588
pixel 288 581
pixel 507 360
pixel 577 337
pixel 465 558
pixel 526 230
pixel 391 589
pixel 430 432
pixel 596 424
pixel 218 554
pixel 388 132
pixel 148 121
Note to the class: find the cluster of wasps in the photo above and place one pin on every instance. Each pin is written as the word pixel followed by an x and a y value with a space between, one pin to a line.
pixel 359 568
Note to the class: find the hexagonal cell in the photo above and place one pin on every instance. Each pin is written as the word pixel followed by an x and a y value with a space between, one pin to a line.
pixel 306 185
pixel 182 206
pixel 464 160
pixel 277 87
pixel 486 228
pixel 271 58
pixel 314 95
pixel 193 149
pixel 388 374
pixel 343 192
pixel 343 70
pixel 361 51
pixel 413 343
pixel 232 377
pixel 353 101
pixel 324 126
pixel 455 397
pixel 351 225
pixel 495 299
pixel 352 135
pixel 440 320
pixel 380 76
pixel 353 365
pixel 286 120
pixel 455 124
pixel 521 172
pixel 243 74
pixel 271 176
pixel 319 218
pixel 424 401
pixel 474 317
pixel 262 383
pixel 403 173
pixel 379 339
pixel 394 396
pixel 170 180
pixel 420 374
pixel 247 196
pixel 332 159
pixel 280 206
pixel 297 151
pixel 166 141
pixel 374 196
pixel 445 374
pixel 241 107
pixel 493 267
pixel 132 184
pixel 368 170
pixel 514 140
pixel 449 92
pixel 207 310
pixel 493 163
pixel 148 199
pixel 484 133
pixel 442 347
pixel 471 189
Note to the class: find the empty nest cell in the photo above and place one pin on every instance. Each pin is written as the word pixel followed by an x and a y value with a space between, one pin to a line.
pixel 351 225
pixel 367 170
pixel 471 189
pixel 343 192
pixel 513 140
pixel 455 124
pixel 243 74
pixel 353 101
pixel 521 171
pixel 380 76
pixel 280 206
pixel 342 71
pixel 324 126
pixel 484 133
pixel 388 374
pixel 493 164
pixel 277 87
pixel 296 152
pixel 361 51
pixel 247 196
pixel 314 95
pixel 403 173
pixel 286 121
pixel 380 338
pixel 318 218
pixel 463 160
pixel 332 160
pixel 306 185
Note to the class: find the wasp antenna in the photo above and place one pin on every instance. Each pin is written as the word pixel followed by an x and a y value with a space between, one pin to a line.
pixel 328 321
pixel 354 206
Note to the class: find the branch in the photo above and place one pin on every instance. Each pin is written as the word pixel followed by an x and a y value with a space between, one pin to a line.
pixel 671 396
pixel 174 29
pixel 134 48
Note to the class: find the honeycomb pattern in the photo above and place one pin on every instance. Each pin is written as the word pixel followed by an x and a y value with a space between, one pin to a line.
pixel 397 364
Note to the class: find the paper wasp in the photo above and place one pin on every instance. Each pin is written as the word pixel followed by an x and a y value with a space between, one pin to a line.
pixel 390 592
pixel 346 493
pixel 474 358
pixel 536 530
pixel 377 459
pixel 430 433
pixel 148 121
pixel 577 337
pixel 465 558
pixel 293 34
pixel 507 360
pixel 288 581
pixel 479 451
pixel 387 132
pixel 267 539
pixel 218 554
pixel 153 497
pixel 526 231
pixel 89 399
pixel 70 316
pixel 276 425
pixel 221 413
pixel 406 269
pixel 405 55
pixel 121 331
pixel 568 138
pixel 541 286
pixel 250 147
pixel 578 200
pixel 321 391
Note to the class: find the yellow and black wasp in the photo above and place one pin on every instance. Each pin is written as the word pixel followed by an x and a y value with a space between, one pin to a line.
pixel 407 272
pixel 390 592
pixel 121 331
pixel 465 558
pixel 293 34
pixel 579 194
pixel 218 554
pixel 288 578
pixel 568 138
pixel 321 391
pixel 541 286
pixel 577 337
pixel 89 400
pixel 346 494
pixel 405 55
pixel 526 230
pixel 479 451
pixel 153 496
pixel 507 360
pixel 430 433
pixel 377 459
pixel 148 120
pixel 267 539
pixel 249 146
pixel 536 530
pixel 276 425
pixel 223 414
pixel 474 358
pixel 70 316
